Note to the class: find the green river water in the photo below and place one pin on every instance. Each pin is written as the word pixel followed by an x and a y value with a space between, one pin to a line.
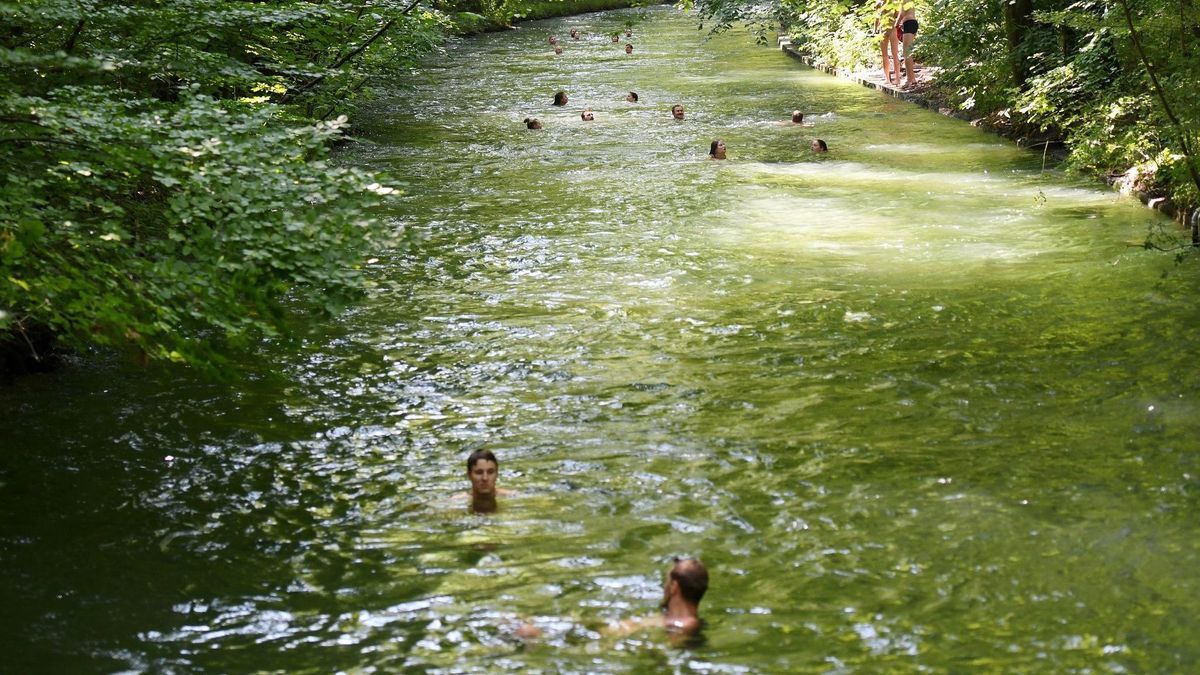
pixel 916 403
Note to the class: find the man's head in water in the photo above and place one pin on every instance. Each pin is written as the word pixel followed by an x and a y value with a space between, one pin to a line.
pixel 616 37
pixel 677 111
pixel 632 97
pixel 532 123
pixel 628 48
pixel 482 471
pixel 797 117
pixel 586 115
pixel 819 146
pixel 685 587
pixel 558 49
pixel 553 40
pixel 560 98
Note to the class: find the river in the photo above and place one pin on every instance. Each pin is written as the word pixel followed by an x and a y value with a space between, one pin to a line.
pixel 918 404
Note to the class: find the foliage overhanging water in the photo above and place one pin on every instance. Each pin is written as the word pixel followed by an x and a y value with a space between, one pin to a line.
pixel 916 404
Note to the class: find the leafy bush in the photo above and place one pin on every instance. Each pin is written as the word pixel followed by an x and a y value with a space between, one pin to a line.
pixel 173 229
pixel 165 177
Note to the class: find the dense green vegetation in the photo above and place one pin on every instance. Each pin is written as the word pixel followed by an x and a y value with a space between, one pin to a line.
pixel 1114 79
pixel 165 176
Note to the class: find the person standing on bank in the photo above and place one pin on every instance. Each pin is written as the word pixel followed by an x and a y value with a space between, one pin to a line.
pixel 885 30
pixel 906 20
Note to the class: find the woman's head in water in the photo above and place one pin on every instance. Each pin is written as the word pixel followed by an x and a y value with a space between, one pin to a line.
pixel 819 146
pixel 717 149
pixel 632 97
pixel 532 123
pixel 560 98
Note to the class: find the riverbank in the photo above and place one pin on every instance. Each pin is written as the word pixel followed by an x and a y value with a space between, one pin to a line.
pixel 924 94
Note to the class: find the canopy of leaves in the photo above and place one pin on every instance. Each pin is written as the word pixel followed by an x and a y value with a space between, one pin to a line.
pixel 164 180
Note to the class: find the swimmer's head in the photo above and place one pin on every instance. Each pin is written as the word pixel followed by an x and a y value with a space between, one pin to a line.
pixel 532 123
pixel 628 48
pixel 616 37
pixel 553 40
pixel 717 149
pixel 586 115
pixel 558 49
pixel 819 146
pixel 560 98
pixel 797 117
pixel 632 97
pixel 689 578
pixel 677 111
pixel 482 468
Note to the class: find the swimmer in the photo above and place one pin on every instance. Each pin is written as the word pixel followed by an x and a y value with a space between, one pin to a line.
pixel 616 37
pixel 797 117
pixel 632 97
pixel 482 471
pixel 553 40
pixel 586 115
pixel 628 32
pixel 717 149
pixel 532 123
pixel 686 584
pixel 628 48
pixel 560 98
pixel 819 146
pixel 574 33
pixel 677 111
pixel 558 49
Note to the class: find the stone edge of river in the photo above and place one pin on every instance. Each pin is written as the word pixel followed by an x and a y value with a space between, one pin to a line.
pixel 922 95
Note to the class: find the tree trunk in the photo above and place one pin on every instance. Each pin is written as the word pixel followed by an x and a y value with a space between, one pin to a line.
pixel 1018 19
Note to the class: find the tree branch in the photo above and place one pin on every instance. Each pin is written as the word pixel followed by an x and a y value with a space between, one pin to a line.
pixel 70 45
pixel 342 61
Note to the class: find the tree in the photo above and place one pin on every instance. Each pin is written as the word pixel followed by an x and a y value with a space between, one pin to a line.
pixel 166 182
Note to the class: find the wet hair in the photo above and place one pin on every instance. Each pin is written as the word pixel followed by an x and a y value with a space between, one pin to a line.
pixel 531 122
pixel 628 47
pixel 712 149
pixel 583 115
pixel 560 98
pixel 634 95
pixel 677 105
pixel 692 578
pixel 797 116
pixel 478 455
pixel 824 147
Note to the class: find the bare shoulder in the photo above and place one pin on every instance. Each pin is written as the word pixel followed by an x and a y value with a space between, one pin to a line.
pixel 631 626
pixel 686 626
